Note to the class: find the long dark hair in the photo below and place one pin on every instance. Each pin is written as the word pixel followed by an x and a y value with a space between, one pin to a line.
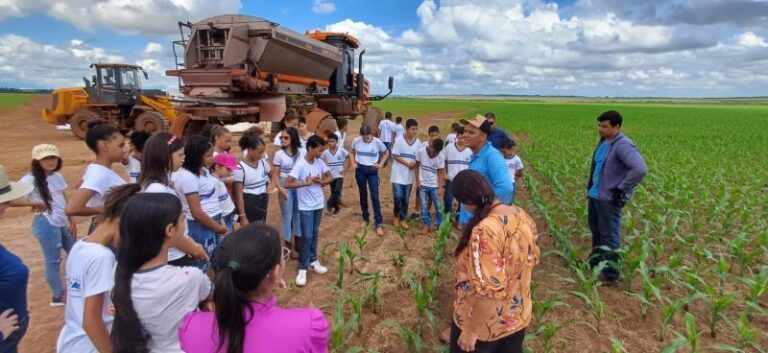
pixel 250 141
pixel 41 181
pixel 157 159
pixel 116 198
pixel 472 188
pixel 98 131
pixel 194 152
pixel 242 262
pixel 143 221
pixel 295 144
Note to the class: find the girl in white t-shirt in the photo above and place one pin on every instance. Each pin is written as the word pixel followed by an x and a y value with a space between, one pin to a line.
pixel 252 180
pixel 109 145
pixel 90 277
pixel 368 155
pixel 164 154
pixel 150 297
pixel 198 188
pixel 282 163
pixel 50 225
pixel 221 138
pixel 132 163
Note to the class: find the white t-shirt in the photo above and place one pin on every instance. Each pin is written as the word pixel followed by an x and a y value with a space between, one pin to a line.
pixel 161 297
pixel 335 161
pixel 401 174
pixel 185 184
pixel 342 136
pixel 399 130
pixel 254 178
pixel 158 188
pixel 286 162
pixel 513 165
pixel 227 206
pixel 133 168
pixel 90 271
pixel 100 179
pixel 451 138
pixel 367 153
pixel 56 186
pixel 429 167
pixel 276 141
pixel 310 197
pixel 456 160
pixel 386 129
pixel 209 196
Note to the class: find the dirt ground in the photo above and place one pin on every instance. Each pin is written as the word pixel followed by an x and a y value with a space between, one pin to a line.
pixel 22 129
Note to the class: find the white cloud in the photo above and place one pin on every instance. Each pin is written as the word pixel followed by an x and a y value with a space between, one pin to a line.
pixel 751 40
pixel 125 16
pixel 323 7
pixel 152 48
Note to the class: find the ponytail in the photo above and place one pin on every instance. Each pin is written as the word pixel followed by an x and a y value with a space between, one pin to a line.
pixel 243 261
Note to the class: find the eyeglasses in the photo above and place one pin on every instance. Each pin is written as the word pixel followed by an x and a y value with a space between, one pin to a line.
pixel 286 254
pixel 286 138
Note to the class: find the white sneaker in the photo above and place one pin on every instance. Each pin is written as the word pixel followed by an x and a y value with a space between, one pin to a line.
pixel 318 268
pixel 301 278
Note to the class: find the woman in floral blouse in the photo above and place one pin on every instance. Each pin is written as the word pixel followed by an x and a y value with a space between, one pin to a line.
pixel 494 261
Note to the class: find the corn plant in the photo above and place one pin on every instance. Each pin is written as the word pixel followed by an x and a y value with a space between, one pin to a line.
pixel 350 255
pixel 361 240
pixel 692 335
pixel 667 314
pixel 756 287
pixel 650 291
pixel 424 301
pixel 546 333
pixel 587 283
pixel 542 307
pixel 398 259
pixel 412 339
pixel 341 327
pixel 401 233
pixel 617 346
pixel 356 304
pixel 342 263
pixel 372 297
pixel 748 337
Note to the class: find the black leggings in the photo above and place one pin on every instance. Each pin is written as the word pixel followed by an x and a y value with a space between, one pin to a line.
pixel 510 344
pixel 256 207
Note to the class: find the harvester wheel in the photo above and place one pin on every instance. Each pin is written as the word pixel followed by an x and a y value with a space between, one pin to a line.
pixel 326 127
pixel 151 122
pixel 78 123
pixel 372 117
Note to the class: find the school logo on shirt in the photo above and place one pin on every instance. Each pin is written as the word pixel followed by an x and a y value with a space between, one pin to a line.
pixel 75 285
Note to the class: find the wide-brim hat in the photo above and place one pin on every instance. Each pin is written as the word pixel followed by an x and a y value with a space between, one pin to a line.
pixel 10 191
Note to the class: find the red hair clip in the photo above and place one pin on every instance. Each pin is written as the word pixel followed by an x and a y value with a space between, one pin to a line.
pixel 170 141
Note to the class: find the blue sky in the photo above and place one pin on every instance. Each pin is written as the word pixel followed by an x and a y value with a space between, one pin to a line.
pixel 690 48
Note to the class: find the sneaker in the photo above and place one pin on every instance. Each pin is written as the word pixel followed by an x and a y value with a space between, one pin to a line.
pixel 58 301
pixel 317 267
pixel 301 278
pixel 379 230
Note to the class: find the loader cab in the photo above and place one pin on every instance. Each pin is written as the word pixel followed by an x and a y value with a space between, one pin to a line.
pixel 342 81
pixel 116 84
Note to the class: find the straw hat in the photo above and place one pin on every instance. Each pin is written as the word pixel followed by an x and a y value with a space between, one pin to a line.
pixel 11 191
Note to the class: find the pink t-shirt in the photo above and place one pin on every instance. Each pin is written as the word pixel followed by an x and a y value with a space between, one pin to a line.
pixel 272 330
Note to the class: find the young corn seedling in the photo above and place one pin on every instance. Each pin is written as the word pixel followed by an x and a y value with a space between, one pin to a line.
pixel 617 346
pixel 371 298
pixel 412 339
pixel 361 240
pixel 401 233
pixel 667 314
pixel 587 282
pixel 542 307
pixel 398 259
pixel 692 335
pixel 357 311
pixel 341 327
pixel 350 255
pixel 546 333
pixel 748 336
pixel 756 287
pixel 649 292
pixel 342 265
pixel 423 304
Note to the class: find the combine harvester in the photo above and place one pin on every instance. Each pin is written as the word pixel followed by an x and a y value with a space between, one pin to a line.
pixel 246 69
pixel 115 96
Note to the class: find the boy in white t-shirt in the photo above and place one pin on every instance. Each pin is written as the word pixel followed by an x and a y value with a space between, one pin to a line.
pixel 430 176
pixel 308 176
pixel 451 138
pixel 386 130
pixel 404 165
pixel 132 164
pixel 336 158
pixel 513 162
pixel 399 128
pixel 224 164
pixel 457 157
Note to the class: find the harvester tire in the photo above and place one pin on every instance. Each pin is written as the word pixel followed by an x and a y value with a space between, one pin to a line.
pixel 151 122
pixel 78 123
pixel 326 127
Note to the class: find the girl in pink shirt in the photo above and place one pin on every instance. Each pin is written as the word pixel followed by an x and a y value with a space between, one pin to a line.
pixel 249 265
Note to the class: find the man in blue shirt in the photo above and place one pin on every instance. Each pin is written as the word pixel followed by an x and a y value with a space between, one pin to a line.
pixel 487 160
pixel 617 168
pixel 496 136
pixel 14 275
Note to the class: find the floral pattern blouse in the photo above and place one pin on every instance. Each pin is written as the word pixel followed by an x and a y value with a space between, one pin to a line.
pixel 493 276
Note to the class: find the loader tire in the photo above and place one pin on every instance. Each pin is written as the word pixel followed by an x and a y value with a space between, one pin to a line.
pixel 78 123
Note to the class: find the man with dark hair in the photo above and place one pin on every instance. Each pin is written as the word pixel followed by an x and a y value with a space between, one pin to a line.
pixel 617 167
pixel 496 136
pixel 486 160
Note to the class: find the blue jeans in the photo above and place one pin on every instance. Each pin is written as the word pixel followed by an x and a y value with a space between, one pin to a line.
pixel 402 194
pixel 368 175
pixel 205 237
pixel 229 221
pixel 10 344
pixel 289 210
pixel 52 240
pixel 605 225
pixel 310 225
pixel 427 192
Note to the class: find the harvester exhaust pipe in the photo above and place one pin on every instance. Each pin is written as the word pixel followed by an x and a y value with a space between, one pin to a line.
pixel 360 77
